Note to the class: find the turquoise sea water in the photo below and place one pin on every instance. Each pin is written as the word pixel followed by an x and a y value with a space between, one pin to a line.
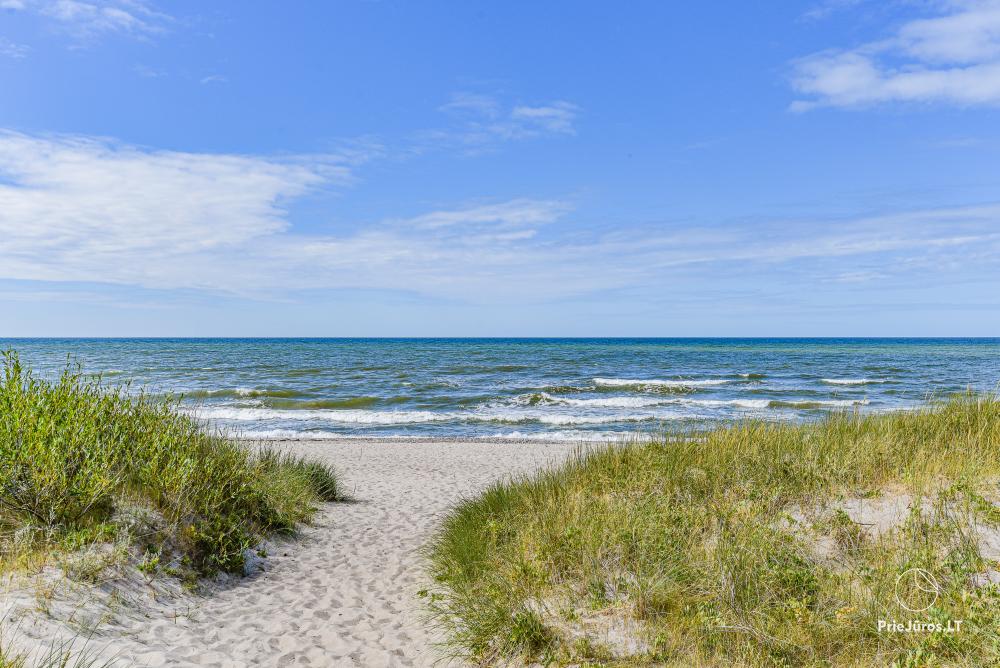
pixel 523 388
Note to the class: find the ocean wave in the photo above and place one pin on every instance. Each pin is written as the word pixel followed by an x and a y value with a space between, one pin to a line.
pixel 590 413
pixel 819 403
pixel 307 371
pixel 559 419
pixel 638 402
pixel 346 416
pixel 851 381
pixel 557 389
pixel 349 402
pixel 773 403
pixel 752 376
pixel 568 435
pixel 285 434
pixel 242 393
pixel 544 398
pixel 656 383
pixel 473 369
pixel 720 403
pixel 363 417
pixel 564 435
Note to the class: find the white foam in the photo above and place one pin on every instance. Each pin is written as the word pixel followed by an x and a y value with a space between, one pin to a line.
pixel 297 435
pixel 719 403
pixel 561 435
pixel 569 435
pixel 567 419
pixel 511 416
pixel 646 402
pixel 633 382
pixel 342 416
pixel 810 403
pixel 603 402
pixel 850 381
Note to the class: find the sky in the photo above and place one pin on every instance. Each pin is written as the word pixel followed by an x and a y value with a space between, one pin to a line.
pixel 383 168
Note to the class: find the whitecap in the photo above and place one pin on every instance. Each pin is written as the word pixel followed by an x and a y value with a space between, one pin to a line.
pixel 634 382
pixel 720 403
pixel 602 402
pixel 410 417
pixel 818 403
pixel 851 381
pixel 570 435
pixel 341 416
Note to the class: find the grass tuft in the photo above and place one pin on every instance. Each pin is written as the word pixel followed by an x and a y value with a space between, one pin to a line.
pixel 84 463
pixel 743 546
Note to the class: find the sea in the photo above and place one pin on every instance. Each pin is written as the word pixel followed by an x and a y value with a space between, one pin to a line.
pixel 530 389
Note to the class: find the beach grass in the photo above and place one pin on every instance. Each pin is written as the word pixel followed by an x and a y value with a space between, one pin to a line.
pixel 745 545
pixel 57 655
pixel 84 463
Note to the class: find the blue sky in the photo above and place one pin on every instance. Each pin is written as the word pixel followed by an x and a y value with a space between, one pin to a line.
pixel 387 168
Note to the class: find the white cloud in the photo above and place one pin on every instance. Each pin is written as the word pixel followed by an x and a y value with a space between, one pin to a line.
pixel 214 78
pixel 12 49
pixel 515 213
pixel 953 58
pixel 93 18
pixel 827 8
pixel 483 105
pixel 859 277
pixel 78 209
pixel 484 120
pixel 557 117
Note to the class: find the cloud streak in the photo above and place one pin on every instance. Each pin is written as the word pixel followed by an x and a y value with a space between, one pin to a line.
pixel 13 50
pixel 85 210
pixel 953 58
pixel 483 121
pixel 86 20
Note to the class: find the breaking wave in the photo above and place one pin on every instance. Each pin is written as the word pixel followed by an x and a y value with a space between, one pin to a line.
pixel 851 381
pixel 656 383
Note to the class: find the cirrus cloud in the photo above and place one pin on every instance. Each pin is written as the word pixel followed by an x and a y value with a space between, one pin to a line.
pixel 83 210
pixel 89 19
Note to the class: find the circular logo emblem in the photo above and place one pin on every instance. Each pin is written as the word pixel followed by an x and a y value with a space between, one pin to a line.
pixel 916 590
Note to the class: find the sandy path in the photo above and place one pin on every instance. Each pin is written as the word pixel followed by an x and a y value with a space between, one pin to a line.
pixel 345 593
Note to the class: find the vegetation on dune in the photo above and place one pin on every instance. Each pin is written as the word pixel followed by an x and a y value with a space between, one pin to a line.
pixel 84 463
pixel 739 547
pixel 57 655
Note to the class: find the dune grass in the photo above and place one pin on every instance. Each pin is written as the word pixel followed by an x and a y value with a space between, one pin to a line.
pixel 56 655
pixel 733 548
pixel 82 462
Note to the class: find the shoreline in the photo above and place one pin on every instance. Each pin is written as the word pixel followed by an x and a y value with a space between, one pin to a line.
pixel 424 440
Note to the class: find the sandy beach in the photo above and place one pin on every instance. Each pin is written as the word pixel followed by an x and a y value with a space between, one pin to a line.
pixel 343 594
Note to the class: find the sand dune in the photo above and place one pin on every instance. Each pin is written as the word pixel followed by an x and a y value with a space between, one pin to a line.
pixel 344 593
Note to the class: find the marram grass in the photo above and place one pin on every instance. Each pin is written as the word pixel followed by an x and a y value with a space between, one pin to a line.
pixel 733 548
pixel 68 654
pixel 82 462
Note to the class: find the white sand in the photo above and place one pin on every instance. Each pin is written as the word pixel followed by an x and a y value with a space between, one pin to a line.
pixel 345 592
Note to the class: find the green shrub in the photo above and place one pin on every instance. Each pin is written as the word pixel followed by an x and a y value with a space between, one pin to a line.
pixel 76 456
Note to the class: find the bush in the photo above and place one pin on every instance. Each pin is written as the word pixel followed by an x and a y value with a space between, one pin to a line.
pixel 76 455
